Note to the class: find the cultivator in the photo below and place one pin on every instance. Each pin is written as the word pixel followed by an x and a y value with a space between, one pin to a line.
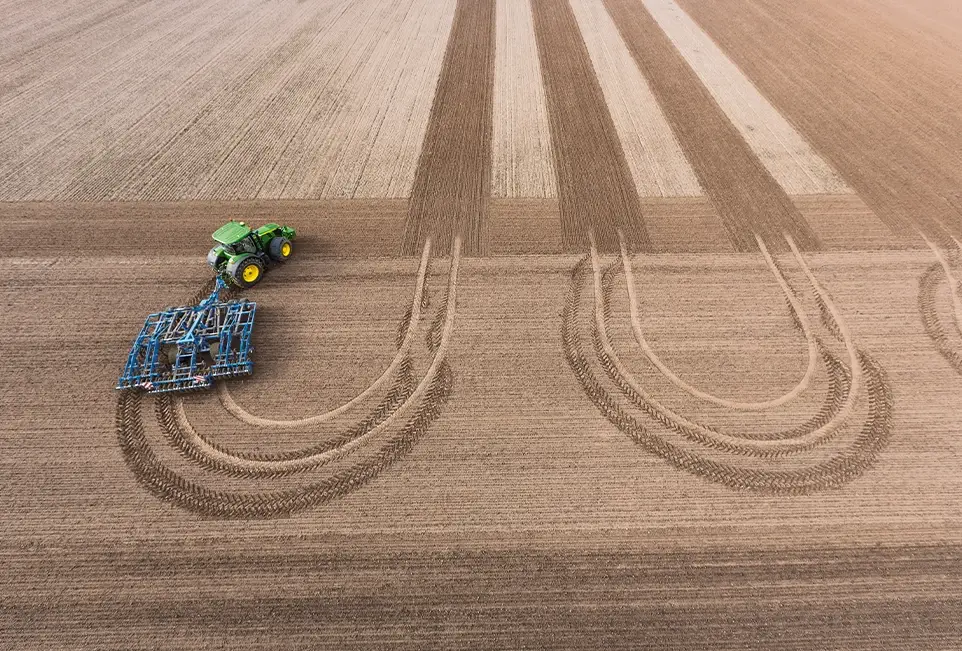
pixel 187 347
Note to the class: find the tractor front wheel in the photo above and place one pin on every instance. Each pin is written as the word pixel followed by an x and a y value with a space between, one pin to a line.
pixel 246 272
pixel 280 249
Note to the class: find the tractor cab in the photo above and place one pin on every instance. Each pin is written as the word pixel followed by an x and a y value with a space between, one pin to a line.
pixel 235 237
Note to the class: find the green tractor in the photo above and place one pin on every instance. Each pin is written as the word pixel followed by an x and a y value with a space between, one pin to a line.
pixel 242 254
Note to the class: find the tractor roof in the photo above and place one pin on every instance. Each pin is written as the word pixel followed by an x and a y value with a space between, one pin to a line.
pixel 231 232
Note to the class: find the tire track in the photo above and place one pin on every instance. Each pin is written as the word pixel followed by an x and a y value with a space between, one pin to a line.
pixel 798 316
pixel 433 390
pixel 413 318
pixel 844 467
pixel 173 488
pixel 839 378
pixel 928 285
pixel 954 284
pixel 202 450
pixel 184 437
pixel 767 447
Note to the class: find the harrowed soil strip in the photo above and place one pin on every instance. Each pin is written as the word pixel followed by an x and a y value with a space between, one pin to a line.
pixel 595 187
pixel 452 183
pixel 747 197
pixel 877 95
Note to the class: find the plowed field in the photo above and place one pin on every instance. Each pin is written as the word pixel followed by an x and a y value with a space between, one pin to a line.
pixel 610 324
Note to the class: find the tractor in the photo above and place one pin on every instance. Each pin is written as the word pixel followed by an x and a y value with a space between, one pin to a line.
pixel 242 255
pixel 186 348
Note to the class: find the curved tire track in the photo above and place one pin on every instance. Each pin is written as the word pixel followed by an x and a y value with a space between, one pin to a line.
pixel 201 450
pixel 171 487
pixel 839 379
pixel 931 322
pixel 767 447
pixel 168 485
pixel 184 437
pixel 798 316
pixel 928 286
pixel 860 455
pixel 223 392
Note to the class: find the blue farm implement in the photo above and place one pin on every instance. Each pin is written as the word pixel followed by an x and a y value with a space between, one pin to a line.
pixel 185 348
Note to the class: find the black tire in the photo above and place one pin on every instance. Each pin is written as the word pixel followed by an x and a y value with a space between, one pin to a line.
pixel 280 249
pixel 241 271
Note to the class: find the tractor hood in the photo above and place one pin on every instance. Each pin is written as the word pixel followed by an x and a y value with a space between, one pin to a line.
pixel 231 232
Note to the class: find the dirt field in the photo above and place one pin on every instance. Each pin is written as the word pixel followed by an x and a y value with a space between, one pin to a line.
pixel 610 324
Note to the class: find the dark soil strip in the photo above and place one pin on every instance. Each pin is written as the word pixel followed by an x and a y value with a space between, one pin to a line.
pixel 452 183
pixel 747 197
pixel 328 227
pixel 876 95
pixel 520 226
pixel 595 188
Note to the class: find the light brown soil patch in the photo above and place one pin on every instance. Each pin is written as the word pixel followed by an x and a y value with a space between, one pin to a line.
pixel 595 188
pixel 878 97
pixel 452 183
pixel 747 197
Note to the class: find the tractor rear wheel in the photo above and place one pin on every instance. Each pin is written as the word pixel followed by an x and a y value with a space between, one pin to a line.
pixel 246 272
pixel 280 249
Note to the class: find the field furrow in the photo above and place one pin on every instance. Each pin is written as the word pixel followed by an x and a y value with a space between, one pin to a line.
pixel 90 129
pixel 883 110
pixel 54 71
pixel 616 324
pixel 785 154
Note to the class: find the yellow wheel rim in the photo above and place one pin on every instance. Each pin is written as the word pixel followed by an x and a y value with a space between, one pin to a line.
pixel 251 273
pixel 286 249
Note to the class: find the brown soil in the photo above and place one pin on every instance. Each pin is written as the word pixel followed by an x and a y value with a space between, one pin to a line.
pixel 595 188
pixel 525 226
pixel 452 184
pixel 519 465
pixel 748 199
pixel 518 490
pixel 877 95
